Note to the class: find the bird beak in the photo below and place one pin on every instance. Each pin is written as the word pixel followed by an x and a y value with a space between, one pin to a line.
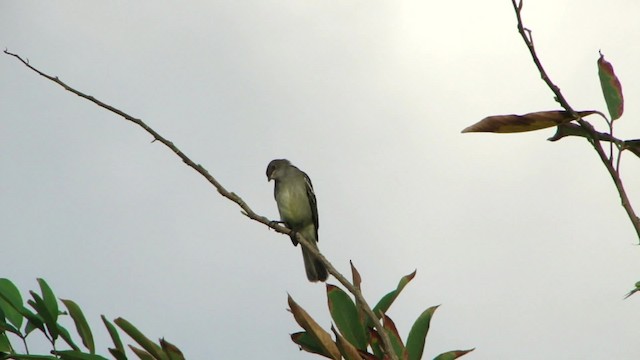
pixel 270 175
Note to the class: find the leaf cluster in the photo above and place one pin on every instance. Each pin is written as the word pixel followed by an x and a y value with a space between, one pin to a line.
pixel 354 336
pixel 20 321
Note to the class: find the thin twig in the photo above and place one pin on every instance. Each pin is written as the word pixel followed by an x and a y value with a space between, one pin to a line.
pixel 246 210
pixel 594 138
pixel 611 146
pixel 618 160
pixel 24 341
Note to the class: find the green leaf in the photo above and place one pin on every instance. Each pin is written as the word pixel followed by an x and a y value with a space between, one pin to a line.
pixel 143 355
pixel 8 327
pixel 34 321
pixel 611 88
pixel 418 334
pixel 148 345
pixel 77 355
pixel 308 343
pixel 375 340
pixel 383 305
pixel 32 357
pixel 5 344
pixel 346 317
pixel 391 330
pixel 11 302
pixel 452 354
pixel 81 324
pixel 119 355
pixel 115 337
pixel 39 306
pixel 64 334
pixel 49 299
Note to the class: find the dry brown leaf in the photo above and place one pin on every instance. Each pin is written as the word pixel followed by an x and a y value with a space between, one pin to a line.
pixel 311 326
pixel 521 123
pixel 347 349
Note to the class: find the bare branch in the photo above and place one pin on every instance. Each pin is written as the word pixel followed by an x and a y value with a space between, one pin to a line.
pixel 594 137
pixel 246 210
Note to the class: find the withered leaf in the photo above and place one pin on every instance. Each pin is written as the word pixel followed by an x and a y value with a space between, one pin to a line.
pixel 322 337
pixel 527 122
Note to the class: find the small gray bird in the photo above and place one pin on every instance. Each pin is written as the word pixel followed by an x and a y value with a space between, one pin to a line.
pixel 298 210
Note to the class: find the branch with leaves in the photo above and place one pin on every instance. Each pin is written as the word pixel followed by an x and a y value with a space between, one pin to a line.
pixel 355 338
pixel 570 122
pixel 18 321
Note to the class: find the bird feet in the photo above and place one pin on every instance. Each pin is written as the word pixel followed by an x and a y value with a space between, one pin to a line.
pixel 273 223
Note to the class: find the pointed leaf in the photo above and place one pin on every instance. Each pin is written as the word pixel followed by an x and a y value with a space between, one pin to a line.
pixel 64 334
pixel 115 337
pixel 386 301
pixel 148 345
pixel 309 344
pixel 452 354
pixel 633 146
pixel 357 280
pixel 11 302
pixel 611 88
pixel 143 355
pixel 49 299
pixel 34 321
pixel 81 324
pixel 32 357
pixel 634 290
pixel 521 123
pixel 5 344
pixel 39 306
pixel 171 350
pixel 4 327
pixel 119 355
pixel 348 351
pixel 345 315
pixel 418 334
pixel 394 336
pixel 78 355
pixel 322 337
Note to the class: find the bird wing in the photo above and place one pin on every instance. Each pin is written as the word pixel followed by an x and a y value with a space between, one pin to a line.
pixel 313 204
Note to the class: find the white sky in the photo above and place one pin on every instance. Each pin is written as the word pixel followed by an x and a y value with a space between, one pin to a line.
pixel 522 241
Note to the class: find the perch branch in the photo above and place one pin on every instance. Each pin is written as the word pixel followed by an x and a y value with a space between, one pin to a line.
pixel 246 210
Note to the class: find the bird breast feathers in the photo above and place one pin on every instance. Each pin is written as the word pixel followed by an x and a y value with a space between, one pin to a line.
pixel 293 204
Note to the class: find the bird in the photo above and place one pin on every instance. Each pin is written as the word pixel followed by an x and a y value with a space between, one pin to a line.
pixel 298 210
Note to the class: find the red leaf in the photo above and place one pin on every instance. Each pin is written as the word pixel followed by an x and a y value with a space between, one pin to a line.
pixel 611 88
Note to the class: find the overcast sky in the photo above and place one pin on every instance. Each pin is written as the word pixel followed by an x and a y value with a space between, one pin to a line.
pixel 522 241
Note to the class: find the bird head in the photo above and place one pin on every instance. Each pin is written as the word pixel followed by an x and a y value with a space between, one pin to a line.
pixel 276 168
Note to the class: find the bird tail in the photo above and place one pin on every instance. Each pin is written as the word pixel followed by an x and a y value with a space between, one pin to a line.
pixel 316 271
